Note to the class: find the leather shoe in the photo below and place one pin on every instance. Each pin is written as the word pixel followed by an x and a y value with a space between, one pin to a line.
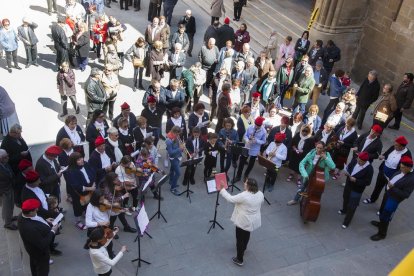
pixel 377 237
pixel 27 65
pixel 55 252
pixel 130 229
pixel 192 181
pixel 18 67
pixel 375 223
pixel 394 127
pixel 11 227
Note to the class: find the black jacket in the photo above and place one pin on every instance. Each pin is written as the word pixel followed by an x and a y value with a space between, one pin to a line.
pixel 96 165
pixel 189 23
pixel 363 177
pixel 169 125
pixel 405 95
pixel 48 175
pixel 190 146
pixel 318 56
pixel 333 53
pixel 211 32
pixel 59 38
pixel 374 149
pixel 14 147
pixel 6 178
pixel 36 237
pixel 132 121
pixel 154 119
pixel 348 142
pixel 368 93
pixel 139 138
pixel 82 45
pixel 92 133
pixel 29 194
pixel 63 134
pixel 110 150
pixel 403 188
pixel 224 33
pixel 193 121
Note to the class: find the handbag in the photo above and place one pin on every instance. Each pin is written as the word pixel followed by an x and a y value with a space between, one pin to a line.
pixel 289 93
pixel 380 116
pixel 137 62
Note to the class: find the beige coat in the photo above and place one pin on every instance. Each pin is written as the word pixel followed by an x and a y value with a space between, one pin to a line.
pixel 386 104
pixel 217 6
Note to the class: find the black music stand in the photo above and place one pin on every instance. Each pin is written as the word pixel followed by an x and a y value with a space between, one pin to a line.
pixel 190 162
pixel 236 149
pixel 138 239
pixel 159 184
pixel 269 165
pixel 214 220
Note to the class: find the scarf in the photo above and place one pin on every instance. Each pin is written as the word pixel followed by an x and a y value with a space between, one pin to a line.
pixel 124 132
pixel 171 136
pixel 100 127
pixel 118 152
pixel 73 135
pixel 266 88
pixel 246 122
pixel 302 140
pixel 325 136
pixel 178 121
pixel 200 118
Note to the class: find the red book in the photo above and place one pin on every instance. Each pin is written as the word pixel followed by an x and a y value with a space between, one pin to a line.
pixel 221 179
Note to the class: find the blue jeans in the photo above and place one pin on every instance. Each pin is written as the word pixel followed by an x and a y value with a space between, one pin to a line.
pixel 82 62
pixel 174 173
pixel 298 107
pixel 168 11
pixel 156 131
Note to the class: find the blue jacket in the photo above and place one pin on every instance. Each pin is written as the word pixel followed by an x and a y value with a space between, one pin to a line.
pixel 8 39
pixel 76 180
pixel 260 137
pixel 316 122
pixel 336 89
pixel 231 135
pixel 173 148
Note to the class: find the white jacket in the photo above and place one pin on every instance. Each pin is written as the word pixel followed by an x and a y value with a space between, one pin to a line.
pixel 246 214
pixel 101 261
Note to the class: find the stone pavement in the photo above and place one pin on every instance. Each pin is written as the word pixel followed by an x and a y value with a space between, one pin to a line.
pixel 282 246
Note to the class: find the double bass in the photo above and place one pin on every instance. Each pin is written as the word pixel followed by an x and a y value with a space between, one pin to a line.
pixel 310 205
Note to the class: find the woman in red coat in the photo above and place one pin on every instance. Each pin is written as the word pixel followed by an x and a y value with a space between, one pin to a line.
pixel 100 33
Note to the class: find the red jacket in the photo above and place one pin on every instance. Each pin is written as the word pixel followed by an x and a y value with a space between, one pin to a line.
pixel 100 31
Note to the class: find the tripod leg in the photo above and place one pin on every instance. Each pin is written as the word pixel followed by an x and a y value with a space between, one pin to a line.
pixel 264 187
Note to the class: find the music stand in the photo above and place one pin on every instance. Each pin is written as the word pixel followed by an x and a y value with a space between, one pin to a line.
pixel 269 165
pixel 138 239
pixel 159 184
pixel 211 190
pixel 189 162
pixel 236 149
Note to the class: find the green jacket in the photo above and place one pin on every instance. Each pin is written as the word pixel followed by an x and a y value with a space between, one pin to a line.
pixel 305 87
pixel 281 76
pixel 306 165
pixel 188 78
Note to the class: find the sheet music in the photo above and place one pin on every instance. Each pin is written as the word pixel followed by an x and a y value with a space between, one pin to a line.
pixel 135 153
pixel 211 186
pixel 142 220
pixel 148 182
pixel 58 219
pixel 214 153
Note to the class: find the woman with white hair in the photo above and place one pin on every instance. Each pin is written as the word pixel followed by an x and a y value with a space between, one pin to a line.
pixel 303 88
pixel 114 148
pixel 336 119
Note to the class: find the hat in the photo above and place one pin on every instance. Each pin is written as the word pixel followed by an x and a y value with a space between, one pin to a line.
pixel 31 176
pixel 406 160
pixel 151 99
pixel 363 156
pixel 280 137
pixel 24 164
pixel 256 95
pixel 125 106
pixel 227 20
pixel 30 204
pixel 401 140
pixel 53 150
pixel 25 20
pixel 95 71
pixel 259 121
pixel 284 120
pixel 377 129
pixel 99 141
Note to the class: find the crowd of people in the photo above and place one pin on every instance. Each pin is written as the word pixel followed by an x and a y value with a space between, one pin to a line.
pixel 247 97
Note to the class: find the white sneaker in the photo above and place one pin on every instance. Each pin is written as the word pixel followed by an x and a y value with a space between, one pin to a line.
pixel 51 261
pixel 344 226
pixel 165 163
pixel 343 184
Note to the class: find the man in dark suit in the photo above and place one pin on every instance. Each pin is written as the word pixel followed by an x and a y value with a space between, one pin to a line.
pixel 36 234
pixel 175 97
pixel 283 128
pixel 26 34
pixel 99 160
pixel 153 114
pixel 190 29
pixel 60 41
pixel 225 33
pixel 154 9
pixel 369 142
pixel 359 174
pixel 7 180
pixel 50 171
pixel 126 113
pixel 195 147
pixel 367 94
pixel 176 61
pixel 158 92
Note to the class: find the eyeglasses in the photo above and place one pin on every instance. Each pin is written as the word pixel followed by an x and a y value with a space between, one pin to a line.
pixel 101 116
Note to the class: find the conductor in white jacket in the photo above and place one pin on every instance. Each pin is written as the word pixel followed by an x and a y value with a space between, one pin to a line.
pixel 246 215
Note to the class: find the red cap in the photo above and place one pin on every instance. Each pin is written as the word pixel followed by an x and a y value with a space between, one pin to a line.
pixel 151 99
pixel 259 121
pixel 53 150
pixel 280 137
pixel 256 95
pixel 407 161
pixel 30 204
pixel 284 120
pixel 99 141
pixel 24 164
pixel 363 156
pixel 377 129
pixel 402 141
pixel 125 106
pixel 227 20
pixel 31 176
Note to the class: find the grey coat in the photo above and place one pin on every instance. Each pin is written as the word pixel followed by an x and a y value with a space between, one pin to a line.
pixel 217 6
pixel 28 38
pixel 95 94
pixel 7 107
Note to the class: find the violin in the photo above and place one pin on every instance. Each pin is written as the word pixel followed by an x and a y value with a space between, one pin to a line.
pixel 136 171
pixel 152 167
pixel 108 235
pixel 103 207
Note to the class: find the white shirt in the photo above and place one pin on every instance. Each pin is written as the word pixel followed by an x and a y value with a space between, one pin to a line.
pixel 52 164
pixel 358 168
pixel 101 261
pixel 368 141
pixel 196 144
pixel 40 195
pixel 85 174
pixel 143 132
pixel 105 160
pixel 394 158
pixel 246 214
pixel 123 176
pixel 396 178
pixel 174 93
pixel 280 154
pixel 315 159
pixel 94 216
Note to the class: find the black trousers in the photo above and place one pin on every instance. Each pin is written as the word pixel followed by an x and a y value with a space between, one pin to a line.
pixel 228 157
pixel 121 217
pixel 9 56
pixel 122 2
pixel 359 114
pixel 238 7
pixel 61 56
pixel 134 195
pixel 109 107
pixel 242 239
pixel 350 203
pixel 271 176
pixel 39 267
pixel 31 54
pixel 379 186
pixel 106 274
pixel 191 41
pixel 398 116
pixel 243 160
pixel 214 18
pixel 153 11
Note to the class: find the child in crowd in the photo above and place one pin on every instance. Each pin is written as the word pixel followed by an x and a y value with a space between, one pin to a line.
pixel 211 150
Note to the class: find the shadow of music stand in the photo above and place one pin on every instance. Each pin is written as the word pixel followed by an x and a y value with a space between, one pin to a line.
pixel 269 165
pixel 214 221
pixel 138 239
pixel 189 162
pixel 236 149
pixel 159 184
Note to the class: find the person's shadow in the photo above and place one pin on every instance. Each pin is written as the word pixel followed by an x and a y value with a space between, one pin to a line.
pixel 44 9
pixel 57 107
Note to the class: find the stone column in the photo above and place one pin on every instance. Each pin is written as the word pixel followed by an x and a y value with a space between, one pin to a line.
pixel 342 22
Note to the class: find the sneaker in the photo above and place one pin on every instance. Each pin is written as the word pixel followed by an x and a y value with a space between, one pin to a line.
pixel 344 226
pixel 367 201
pixel 236 261
pixel 51 261
pixel 291 202
pixel 130 229
pixel 55 252
pixel 343 184
pixel 378 213
pixel 174 192
pixel 270 188
pixel 341 212
pixel 290 177
pixel 165 163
